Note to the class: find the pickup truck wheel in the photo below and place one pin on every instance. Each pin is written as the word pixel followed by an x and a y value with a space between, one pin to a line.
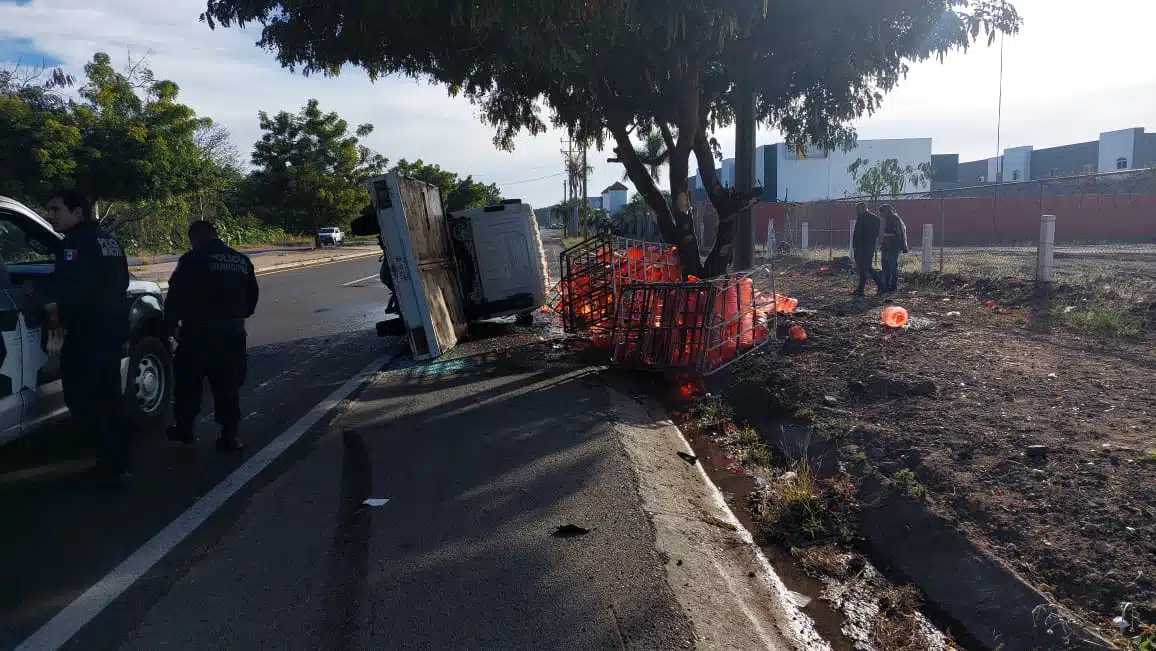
pixel 149 385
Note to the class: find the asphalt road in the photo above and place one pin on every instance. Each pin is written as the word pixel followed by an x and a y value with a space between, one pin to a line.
pixel 481 456
pixel 480 462
pixel 313 330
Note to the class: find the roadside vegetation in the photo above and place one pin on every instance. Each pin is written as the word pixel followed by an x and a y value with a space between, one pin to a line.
pixel 151 164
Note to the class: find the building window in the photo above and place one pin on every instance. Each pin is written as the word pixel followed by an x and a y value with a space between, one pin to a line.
pixel 1089 169
pixel 982 179
pixel 1121 163
pixel 1015 175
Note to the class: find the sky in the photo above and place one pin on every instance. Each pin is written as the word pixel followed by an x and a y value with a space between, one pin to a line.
pixel 1076 69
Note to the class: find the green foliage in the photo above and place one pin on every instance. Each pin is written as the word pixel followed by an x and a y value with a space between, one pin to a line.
pixel 812 67
pixel 151 165
pixel 636 215
pixel 887 177
pixel 137 140
pixel 310 170
pixel 37 133
pixel 457 193
pixel 908 484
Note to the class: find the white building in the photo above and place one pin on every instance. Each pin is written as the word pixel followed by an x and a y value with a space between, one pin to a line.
pixel 614 198
pixel 787 176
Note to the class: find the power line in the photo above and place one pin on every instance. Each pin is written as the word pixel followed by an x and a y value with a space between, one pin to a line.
pixel 540 178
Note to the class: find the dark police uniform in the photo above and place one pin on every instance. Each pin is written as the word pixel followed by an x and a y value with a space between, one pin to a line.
pixel 211 293
pixel 863 242
pixel 92 280
pixel 894 243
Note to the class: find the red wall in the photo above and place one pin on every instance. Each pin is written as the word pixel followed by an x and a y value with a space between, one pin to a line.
pixel 977 221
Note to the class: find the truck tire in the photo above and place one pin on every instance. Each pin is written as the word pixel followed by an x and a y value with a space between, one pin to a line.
pixel 149 383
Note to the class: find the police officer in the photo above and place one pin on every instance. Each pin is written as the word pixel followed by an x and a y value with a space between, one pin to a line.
pixel 211 293
pixel 864 241
pixel 91 281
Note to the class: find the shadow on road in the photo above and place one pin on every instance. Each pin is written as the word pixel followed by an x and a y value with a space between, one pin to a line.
pixel 62 534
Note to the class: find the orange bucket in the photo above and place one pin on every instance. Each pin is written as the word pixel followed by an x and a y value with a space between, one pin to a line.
pixel 894 316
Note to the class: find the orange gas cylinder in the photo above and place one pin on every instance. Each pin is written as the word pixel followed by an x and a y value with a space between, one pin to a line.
pixel 746 305
pixel 894 316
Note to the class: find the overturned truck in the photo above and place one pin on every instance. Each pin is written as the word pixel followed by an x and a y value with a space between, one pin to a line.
pixel 445 270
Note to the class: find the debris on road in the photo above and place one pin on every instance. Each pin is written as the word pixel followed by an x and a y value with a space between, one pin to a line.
pixel 570 531
pixel 689 458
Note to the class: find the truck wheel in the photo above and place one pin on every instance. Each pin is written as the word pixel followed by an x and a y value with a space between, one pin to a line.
pixel 149 384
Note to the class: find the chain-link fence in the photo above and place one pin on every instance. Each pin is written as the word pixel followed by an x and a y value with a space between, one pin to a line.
pixel 1104 228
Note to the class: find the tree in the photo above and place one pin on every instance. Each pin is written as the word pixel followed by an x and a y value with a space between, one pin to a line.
pixel 220 170
pixel 457 193
pixel 37 135
pixel 137 140
pixel 619 68
pixel 310 170
pixel 887 177
pixel 653 154
pixel 636 215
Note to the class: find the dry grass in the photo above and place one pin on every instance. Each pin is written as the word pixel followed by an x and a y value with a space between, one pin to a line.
pixel 897 628
pixel 794 507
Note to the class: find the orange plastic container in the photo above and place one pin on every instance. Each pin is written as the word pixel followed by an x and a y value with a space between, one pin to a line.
pixel 746 304
pixel 894 316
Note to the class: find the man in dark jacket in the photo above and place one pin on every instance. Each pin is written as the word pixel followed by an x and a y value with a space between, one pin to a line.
pixel 91 282
pixel 894 243
pixel 211 293
pixel 863 241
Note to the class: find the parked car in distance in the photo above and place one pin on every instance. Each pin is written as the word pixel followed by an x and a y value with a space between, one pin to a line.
pixel 30 335
pixel 330 235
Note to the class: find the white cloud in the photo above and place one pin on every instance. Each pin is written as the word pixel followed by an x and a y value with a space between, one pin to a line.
pixel 1073 72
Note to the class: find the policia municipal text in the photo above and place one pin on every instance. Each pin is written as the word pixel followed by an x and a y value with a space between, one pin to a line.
pixel 211 292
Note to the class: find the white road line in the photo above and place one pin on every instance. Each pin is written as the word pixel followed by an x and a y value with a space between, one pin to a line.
pixel 60 629
pixel 359 280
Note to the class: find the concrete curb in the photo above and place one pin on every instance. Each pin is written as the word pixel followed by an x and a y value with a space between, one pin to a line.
pixel 990 605
pixel 285 266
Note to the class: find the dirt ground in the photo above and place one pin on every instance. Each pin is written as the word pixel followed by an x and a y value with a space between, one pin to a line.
pixel 1030 425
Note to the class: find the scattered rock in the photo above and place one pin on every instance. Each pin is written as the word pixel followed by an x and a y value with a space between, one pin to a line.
pixel 1036 451
pixel 1038 474
pixel 1103 547
pixel 788 476
pixel 830 401
pixel 1091 529
pixel 689 458
pixel 857 387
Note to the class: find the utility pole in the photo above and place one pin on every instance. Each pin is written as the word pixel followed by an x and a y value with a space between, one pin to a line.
pixel 744 257
pixel 571 184
pixel 584 179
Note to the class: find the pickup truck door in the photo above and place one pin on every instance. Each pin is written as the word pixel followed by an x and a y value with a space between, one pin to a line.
pixel 12 335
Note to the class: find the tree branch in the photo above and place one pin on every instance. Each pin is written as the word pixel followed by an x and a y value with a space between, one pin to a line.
pixel 643 182
pixel 667 136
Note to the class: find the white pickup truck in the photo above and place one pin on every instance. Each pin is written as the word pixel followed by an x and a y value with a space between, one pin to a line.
pixel 30 336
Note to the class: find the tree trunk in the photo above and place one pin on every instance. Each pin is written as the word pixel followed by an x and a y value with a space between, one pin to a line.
pixel 727 202
pixel 672 218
